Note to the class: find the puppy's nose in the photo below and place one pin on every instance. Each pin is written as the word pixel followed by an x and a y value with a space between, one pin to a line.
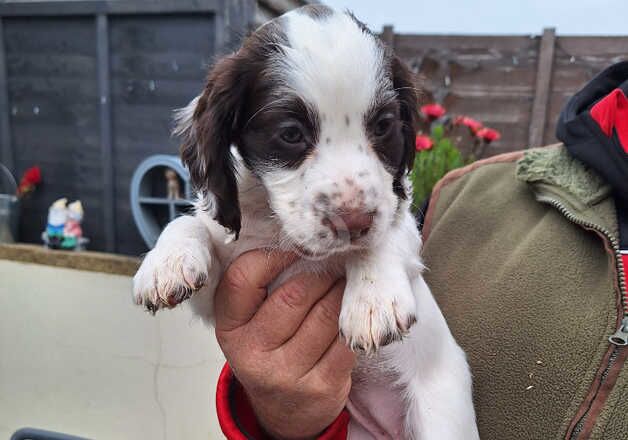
pixel 357 221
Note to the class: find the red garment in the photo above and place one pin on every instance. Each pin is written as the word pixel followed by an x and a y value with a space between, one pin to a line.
pixel 238 421
pixel 612 112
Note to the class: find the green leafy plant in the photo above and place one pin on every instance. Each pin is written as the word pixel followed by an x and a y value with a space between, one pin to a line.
pixel 451 144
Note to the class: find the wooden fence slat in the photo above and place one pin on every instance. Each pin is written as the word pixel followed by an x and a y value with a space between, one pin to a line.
pixel 102 55
pixel 543 87
pixel 232 18
pixel 388 36
pixel 6 150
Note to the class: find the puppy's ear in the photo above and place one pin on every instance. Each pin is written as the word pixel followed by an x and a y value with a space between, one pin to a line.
pixel 209 126
pixel 404 83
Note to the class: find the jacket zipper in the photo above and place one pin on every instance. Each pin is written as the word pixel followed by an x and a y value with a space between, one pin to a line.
pixel 620 337
pixel 580 424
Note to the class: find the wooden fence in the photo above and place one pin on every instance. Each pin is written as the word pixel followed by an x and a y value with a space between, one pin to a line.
pixel 87 90
pixel 516 84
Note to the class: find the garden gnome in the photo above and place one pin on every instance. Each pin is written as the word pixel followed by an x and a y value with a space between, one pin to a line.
pixel 57 216
pixel 72 231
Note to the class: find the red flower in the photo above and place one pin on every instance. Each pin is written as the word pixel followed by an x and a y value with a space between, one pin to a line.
pixel 433 111
pixel 31 176
pixel 423 143
pixel 488 135
pixel 30 179
pixel 472 124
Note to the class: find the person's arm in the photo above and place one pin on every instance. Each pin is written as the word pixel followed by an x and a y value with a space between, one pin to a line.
pixel 291 366
pixel 237 418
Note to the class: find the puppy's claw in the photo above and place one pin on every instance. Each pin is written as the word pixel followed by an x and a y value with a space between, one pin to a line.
pixel 200 281
pixel 371 346
pixel 391 337
pixel 404 324
pixel 151 308
pixel 179 295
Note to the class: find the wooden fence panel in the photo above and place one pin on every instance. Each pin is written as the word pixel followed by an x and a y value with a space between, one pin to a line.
pixel 488 78
pixel 51 75
pixel 87 90
pixel 576 61
pixel 157 65
pixel 516 84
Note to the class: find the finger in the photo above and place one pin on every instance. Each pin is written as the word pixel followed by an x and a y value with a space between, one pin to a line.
pixel 242 288
pixel 317 332
pixel 337 362
pixel 283 312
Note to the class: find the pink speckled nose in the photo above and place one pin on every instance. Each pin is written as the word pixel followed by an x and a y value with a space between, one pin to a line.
pixel 355 221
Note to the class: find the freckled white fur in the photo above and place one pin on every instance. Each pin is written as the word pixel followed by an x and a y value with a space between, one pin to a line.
pixel 281 209
pixel 334 65
pixel 342 87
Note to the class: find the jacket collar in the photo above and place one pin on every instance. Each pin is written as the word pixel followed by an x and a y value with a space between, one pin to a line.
pixel 555 175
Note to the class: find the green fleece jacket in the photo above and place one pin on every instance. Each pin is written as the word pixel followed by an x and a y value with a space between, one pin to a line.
pixel 522 256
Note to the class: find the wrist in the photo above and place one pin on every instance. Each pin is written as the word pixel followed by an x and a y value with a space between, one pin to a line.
pixel 280 426
pixel 238 421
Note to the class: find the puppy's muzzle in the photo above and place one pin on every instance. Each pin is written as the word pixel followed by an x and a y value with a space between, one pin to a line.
pixel 355 223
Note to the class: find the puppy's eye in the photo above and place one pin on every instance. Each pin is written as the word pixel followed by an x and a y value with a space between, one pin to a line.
pixel 291 134
pixel 384 124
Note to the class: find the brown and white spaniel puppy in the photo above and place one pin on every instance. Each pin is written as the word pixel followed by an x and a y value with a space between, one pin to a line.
pixel 302 140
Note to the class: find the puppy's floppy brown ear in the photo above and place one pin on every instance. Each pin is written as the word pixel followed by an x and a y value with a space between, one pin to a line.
pixel 208 131
pixel 404 83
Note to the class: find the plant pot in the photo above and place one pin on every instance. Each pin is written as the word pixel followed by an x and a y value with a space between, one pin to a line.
pixel 9 208
pixel 9 218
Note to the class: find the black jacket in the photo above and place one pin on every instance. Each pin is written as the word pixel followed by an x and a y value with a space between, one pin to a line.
pixel 602 106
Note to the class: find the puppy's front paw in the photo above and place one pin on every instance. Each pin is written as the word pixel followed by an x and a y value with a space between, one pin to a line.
pixel 372 317
pixel 171 274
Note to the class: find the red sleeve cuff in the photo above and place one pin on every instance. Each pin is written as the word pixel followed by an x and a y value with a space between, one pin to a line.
pixel 238 421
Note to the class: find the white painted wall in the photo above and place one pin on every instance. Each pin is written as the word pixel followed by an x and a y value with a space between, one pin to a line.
pixel 77 357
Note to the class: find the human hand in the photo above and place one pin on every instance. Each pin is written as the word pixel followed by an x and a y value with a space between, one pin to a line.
pixel 285 350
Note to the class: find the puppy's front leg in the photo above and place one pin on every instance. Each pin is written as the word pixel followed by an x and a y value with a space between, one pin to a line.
pixel 433 372
pixel 383 288
pixel 379 306
pixel 181 264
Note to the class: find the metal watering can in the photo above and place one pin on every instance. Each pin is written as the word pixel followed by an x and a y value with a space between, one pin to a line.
pixel 9 208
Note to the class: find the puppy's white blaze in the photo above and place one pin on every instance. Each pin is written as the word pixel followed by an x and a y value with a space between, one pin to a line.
pixel 333 65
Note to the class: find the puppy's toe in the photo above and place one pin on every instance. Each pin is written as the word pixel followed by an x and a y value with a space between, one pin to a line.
pixel 404 321
pixel 194 275
pixel 390 337
pixel 404 313
pixel 178 295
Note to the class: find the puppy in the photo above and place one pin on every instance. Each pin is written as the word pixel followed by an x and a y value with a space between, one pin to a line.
pixel 302 140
